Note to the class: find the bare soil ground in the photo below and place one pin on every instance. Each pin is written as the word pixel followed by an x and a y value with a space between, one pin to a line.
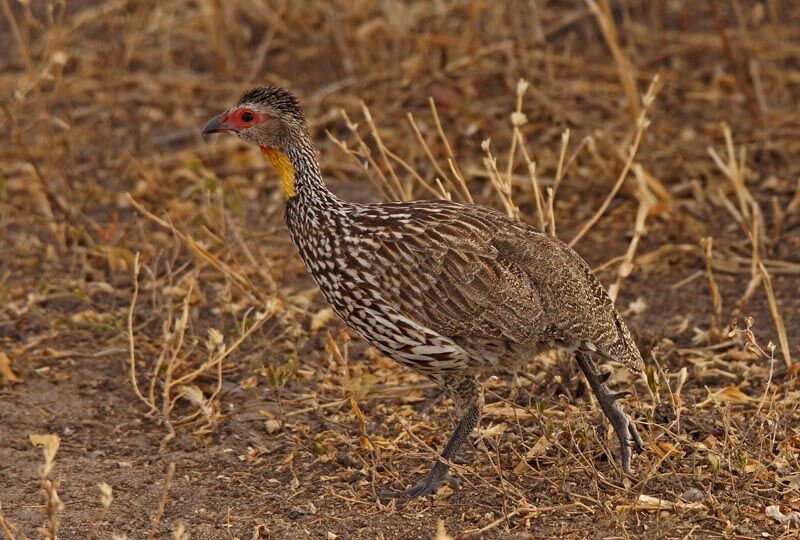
pixel 134 252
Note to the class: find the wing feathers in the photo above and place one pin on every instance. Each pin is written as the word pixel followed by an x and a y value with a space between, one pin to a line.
pixel 468 272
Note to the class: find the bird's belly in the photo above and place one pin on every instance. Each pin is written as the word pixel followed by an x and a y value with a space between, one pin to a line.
pixel 397 336
pixel 360 304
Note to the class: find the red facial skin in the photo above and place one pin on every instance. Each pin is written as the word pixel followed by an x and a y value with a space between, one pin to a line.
pixel 240 119
pixel 234 121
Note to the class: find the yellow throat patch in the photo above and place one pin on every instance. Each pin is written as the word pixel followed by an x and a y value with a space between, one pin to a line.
pixel 285 170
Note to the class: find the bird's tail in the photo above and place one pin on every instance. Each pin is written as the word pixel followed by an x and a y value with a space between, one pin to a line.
pixel 625 349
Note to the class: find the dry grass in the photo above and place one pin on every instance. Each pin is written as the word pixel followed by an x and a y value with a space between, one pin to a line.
pixel 155 316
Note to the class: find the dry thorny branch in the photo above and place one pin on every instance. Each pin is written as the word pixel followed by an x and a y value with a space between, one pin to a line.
pixel 180 363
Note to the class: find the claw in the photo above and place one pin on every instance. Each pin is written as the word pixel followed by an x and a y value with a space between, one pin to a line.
pixel 429 486
pixel 626 431
pixel 438 473
pixel 638 443
pixel 603 377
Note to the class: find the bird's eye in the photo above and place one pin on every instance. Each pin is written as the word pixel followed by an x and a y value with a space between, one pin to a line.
pixel 247 116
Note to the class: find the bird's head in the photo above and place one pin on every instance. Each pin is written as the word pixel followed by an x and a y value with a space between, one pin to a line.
pixel 270 117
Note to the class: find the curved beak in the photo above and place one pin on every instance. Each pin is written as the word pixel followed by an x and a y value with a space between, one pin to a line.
pixel 218 124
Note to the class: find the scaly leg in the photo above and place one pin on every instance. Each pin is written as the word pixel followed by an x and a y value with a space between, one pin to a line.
pixel 623 425
pixel 436 476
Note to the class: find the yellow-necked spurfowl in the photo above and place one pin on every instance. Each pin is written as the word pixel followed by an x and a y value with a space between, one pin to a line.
pixel 454 291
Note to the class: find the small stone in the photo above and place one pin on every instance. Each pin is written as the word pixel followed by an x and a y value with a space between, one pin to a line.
pixel 693 495
pixel 346 460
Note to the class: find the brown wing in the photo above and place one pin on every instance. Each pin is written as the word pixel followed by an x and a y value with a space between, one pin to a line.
pixel 469 272
pixel 577 306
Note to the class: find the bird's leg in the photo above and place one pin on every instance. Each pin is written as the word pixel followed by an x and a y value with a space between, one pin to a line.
pixel 436 476
pixel 623 425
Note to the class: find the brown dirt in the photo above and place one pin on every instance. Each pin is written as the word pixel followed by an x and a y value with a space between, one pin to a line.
pixel 106 98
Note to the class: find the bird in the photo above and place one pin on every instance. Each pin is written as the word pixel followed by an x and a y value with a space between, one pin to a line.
pixel 457 292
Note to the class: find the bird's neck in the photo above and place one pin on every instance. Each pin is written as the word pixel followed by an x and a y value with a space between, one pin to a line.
pixel 299 172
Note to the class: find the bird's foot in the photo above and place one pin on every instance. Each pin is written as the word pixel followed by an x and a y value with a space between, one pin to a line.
pixel 422 489
pixel 429 486
pixel 623 424
pixel 625 428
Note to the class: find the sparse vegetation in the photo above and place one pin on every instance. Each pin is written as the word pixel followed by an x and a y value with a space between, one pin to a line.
pixel 158 327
